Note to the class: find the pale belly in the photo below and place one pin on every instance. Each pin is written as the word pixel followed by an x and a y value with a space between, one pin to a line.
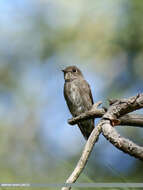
pixel 76 105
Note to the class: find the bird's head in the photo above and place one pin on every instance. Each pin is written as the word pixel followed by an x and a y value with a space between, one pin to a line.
pixel 71 73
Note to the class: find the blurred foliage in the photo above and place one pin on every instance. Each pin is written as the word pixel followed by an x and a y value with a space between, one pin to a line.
pixel 39 38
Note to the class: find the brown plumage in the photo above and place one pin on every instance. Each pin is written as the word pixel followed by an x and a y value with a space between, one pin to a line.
pixel 78 96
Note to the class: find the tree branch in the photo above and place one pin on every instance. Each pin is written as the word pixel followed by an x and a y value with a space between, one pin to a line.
pixel 84 157
pixel 128 119
pixel 121 143
pixel 124 106
pixel 135 120
pixel 96 113
pixel 118 111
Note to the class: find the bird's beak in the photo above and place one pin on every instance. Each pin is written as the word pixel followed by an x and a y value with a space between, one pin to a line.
pixel 63 70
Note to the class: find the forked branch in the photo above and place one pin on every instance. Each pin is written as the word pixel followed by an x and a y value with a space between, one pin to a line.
pixel 117 113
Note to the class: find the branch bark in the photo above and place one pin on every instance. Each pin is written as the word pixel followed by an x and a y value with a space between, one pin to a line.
pixel 135 120
pixel 121 143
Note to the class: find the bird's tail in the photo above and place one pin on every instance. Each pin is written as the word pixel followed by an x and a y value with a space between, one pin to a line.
pixel 86 127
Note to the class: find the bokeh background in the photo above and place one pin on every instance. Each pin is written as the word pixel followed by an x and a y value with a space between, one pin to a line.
pixel 38 38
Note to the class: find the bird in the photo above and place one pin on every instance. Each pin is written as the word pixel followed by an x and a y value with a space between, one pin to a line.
pixel 78 96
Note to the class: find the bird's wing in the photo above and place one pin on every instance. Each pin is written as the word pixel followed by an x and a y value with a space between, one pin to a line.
pixel 86 95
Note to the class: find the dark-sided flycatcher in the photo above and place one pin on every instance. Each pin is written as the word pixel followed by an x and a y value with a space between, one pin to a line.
pixel 78 97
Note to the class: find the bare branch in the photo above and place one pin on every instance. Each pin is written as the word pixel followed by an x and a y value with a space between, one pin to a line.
pixel 112 101
pixel 128 119
pixel 124 106
pixel 85 155
pixel 121 143
pixel 114 112
pixel 97 113
pixel 135 120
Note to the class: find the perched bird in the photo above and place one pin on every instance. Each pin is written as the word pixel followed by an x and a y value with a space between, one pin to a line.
pixel 78 97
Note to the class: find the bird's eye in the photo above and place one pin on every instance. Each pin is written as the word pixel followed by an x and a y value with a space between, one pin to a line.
pixel 74 70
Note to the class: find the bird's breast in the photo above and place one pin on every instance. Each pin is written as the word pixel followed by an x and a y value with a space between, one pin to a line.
pixel 74 98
